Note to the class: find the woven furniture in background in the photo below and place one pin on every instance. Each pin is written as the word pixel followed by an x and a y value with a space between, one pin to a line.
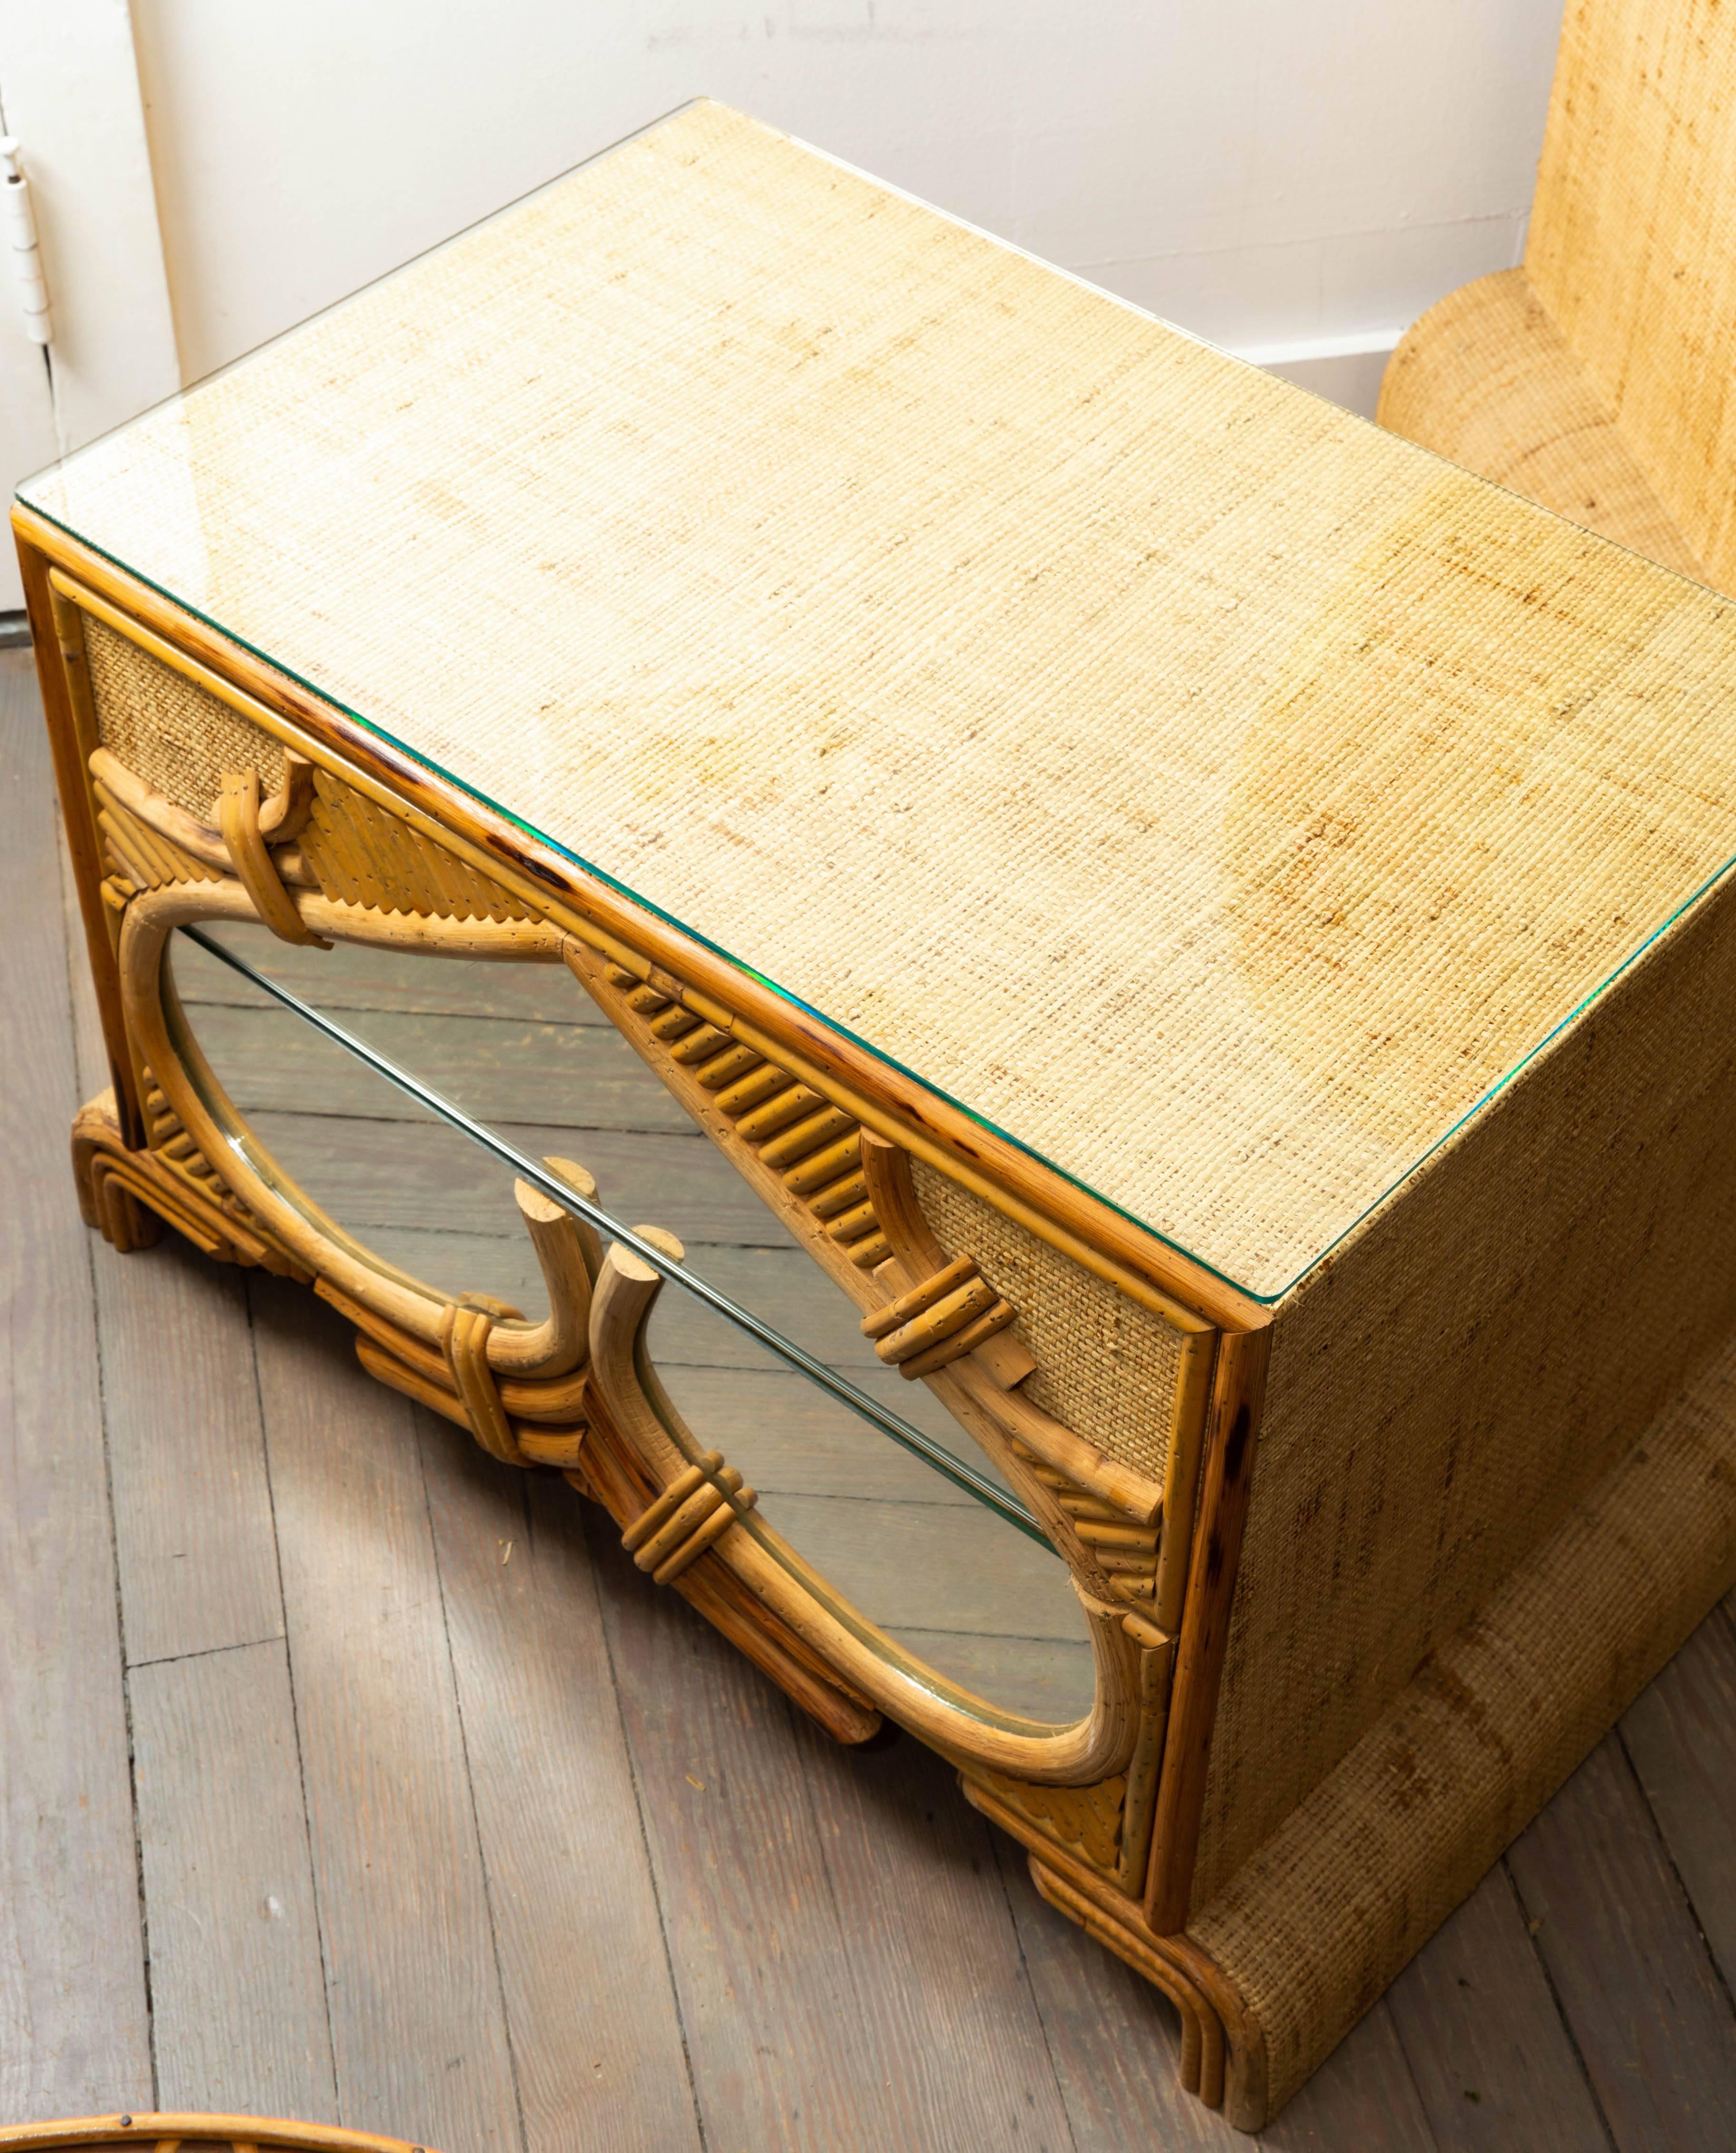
pixel 1600 378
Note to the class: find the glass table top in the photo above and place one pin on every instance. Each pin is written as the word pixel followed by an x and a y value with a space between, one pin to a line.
pixel 1218 797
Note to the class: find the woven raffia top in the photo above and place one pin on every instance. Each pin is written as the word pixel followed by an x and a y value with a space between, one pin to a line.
pixel 1220 796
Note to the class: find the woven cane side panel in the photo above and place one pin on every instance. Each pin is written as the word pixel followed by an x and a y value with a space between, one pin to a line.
pixel 1468 1367
pixel 1321 1919
pixel 174 735
pixel 1106 1367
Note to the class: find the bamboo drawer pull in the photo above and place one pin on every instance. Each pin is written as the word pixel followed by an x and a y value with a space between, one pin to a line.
pixel 464 1345
pixel 696 1507
pixel 237 816
pixel 932 1288
pixel 952 1312
pixel 960 1343
pixel 714 1527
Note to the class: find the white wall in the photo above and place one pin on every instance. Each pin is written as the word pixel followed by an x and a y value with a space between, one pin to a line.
pixel 69 91
pixel 1265 173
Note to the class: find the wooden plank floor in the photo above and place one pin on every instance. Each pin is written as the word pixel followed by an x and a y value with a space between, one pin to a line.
pixel 345 1774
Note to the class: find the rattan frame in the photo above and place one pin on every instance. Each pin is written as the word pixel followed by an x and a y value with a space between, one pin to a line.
pixel 170 2133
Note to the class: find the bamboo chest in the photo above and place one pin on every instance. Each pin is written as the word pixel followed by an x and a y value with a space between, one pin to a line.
pixel 1205 930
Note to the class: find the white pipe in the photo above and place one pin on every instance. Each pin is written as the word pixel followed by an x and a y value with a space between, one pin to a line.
pixel 19 231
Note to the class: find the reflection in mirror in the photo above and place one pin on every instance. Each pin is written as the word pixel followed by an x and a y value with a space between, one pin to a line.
pixel 523 1048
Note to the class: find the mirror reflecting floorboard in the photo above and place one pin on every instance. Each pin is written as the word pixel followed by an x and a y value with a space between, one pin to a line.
pixel 522 1048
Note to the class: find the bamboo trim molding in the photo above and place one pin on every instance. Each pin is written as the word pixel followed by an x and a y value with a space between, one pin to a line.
pixel 1238 1392
pixel 56 626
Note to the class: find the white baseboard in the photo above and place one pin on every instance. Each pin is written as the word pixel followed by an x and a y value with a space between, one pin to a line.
pixel 1344 369
pixel 1302 351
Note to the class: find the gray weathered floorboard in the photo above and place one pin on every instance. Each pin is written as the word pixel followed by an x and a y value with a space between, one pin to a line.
pixel 1113 2041
pixel 74 2036
pixel 596 2034
pixel 798 2016
pixel 237 1995
pixel 1681 1736
pixel 415 1175
pixel 351 976
pixel 1363 2095
pixel 419 2033
pixel 572 1076
pixel 943 1997
pixel 1628 1964
pixel 759 1957
pixel 192 1504
pixel 1486 2046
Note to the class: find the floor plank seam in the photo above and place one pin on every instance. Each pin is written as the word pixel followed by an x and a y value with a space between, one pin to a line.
pixel 294 1715
pixel 126 1704
pixel 793 1721
pixel 993 1840
pixel 1012 1637
pixel 206 1652
pixel 767 1486
pixel 427 1431
pixel 388 1009
pixel 120 1630
pixel 1532 1926
pixel 1675 1875
pixel 1383 2006
pixel 645 1847
pixel 486 1233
